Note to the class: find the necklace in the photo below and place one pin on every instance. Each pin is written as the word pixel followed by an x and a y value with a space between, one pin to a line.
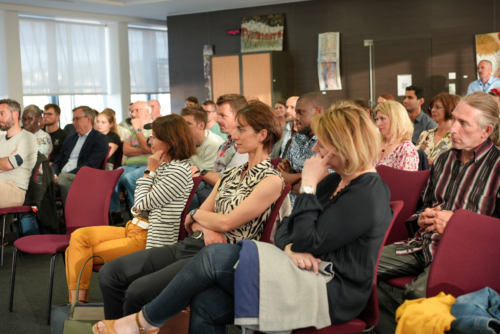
pixel 337 191
pixel 383 150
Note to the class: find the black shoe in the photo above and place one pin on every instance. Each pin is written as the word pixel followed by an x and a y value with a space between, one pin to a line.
pixel 117 218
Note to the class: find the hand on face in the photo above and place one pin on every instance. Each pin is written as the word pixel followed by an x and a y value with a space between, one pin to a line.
pixel 155 160
pixel 315 168
pixel 136 123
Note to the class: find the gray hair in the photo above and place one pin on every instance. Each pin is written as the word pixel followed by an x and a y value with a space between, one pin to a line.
pixel 490 111
pixel 487 61
pixel 35 109
pixel 87 111
pixel 13 105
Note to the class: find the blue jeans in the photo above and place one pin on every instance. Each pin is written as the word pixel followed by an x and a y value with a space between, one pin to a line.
pixel 128 179
pixel 207 284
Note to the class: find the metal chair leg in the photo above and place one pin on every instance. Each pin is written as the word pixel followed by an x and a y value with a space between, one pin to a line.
pixel 3 241
pixel 51 283
pixel 12 279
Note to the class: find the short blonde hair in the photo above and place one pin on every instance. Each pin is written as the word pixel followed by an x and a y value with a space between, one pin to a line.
pixel 346 130
pixel 401 126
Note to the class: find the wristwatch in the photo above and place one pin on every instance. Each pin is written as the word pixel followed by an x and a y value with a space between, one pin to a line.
pixel 197 235
pixel 138 130
pixel 203 172
pixel 150 173
pixel 307 190
pixel 192 214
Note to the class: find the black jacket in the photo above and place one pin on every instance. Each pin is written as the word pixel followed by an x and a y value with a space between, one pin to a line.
pixel 93 152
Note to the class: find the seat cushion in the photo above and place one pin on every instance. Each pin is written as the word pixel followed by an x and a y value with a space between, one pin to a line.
pixel 15 209
pixel 400 282
pixel 43 243
pixel 97 267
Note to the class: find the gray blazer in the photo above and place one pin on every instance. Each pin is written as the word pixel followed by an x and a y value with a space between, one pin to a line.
pixel 277 147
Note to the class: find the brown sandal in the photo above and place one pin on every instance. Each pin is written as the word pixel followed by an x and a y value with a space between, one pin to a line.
pixel 110 327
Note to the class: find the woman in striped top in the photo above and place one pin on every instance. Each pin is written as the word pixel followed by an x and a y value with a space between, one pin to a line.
pixel 162 194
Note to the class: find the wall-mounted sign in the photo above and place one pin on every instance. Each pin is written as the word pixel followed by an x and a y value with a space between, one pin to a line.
pixel 234 32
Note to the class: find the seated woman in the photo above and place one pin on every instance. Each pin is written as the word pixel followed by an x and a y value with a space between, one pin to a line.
pixel 395 128
pixel 438 140
pixel 237 209
pixel 325 225
pixel 106 124
pixel 162 191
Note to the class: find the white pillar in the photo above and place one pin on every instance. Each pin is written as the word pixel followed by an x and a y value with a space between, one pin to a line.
pixel 12 49
pixel 119 70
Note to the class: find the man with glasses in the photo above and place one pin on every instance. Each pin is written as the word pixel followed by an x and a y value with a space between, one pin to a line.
pixel 414 98
pixel 18 154
pixel 87 147
pixel 51 118
pixel 137 151
pixel 155 109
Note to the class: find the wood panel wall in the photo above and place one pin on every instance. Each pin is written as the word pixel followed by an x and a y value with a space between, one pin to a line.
pixel 429 38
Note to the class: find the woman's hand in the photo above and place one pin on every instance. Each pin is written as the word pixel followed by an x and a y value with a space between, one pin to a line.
pixel 212 237
pixel 188 222
pixel 303 260
pixel 314 169
pixel 155 160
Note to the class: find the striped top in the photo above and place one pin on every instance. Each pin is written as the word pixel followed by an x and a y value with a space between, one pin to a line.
pixel 165 197
pixel 232 193
pixel 453 185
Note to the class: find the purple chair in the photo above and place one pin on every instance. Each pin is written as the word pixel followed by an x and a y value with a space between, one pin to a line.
pixel 87 205
pixel 275 162
pixel 268 229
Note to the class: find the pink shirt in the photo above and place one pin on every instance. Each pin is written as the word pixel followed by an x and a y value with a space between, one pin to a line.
pixel 404 157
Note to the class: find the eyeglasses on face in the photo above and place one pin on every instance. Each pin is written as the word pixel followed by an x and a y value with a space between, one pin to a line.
pixel 433 106
pixel 75 119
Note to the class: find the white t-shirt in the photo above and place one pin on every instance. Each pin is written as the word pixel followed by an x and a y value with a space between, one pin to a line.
pixel 22 150
pixel 207 152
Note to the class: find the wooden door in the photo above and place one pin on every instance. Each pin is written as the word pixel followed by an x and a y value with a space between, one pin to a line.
pixel 256 69
pixel 225 75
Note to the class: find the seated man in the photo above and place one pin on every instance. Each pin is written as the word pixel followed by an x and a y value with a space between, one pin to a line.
pixel 18 154
pixel 33 122
pixel 86 147
pixel 207 143
pixel 212 125
pixel 51 117
pixel 308 105
pixel 465 177
pixel 280 146
pixel 137 151
pixel 227 155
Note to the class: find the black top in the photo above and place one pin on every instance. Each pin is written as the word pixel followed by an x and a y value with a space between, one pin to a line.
pixel 348 231
pixel 115 139
pixel 57 138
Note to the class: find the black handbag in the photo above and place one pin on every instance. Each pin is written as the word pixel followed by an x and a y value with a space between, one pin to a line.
pixel 76 318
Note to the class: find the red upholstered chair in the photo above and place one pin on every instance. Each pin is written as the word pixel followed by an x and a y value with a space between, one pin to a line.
pixel 119 157
pixel 266 235
pixel 87 205
pixel 407 187
pixel 106 160
pixel 467 256
pixel 182 232
pixel 369 316
pixel 275 162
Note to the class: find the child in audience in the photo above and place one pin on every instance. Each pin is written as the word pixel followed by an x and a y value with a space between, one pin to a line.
pixel 162 192
pixel 326 224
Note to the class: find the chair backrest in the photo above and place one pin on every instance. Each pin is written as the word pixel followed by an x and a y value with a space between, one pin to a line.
pixel 275 162
pixel 266 235
pixel 196 182
pixel 371 312
pixel 407 187
pixel 106 159
pixel 119 156
pixel 89 197
pixel 466 259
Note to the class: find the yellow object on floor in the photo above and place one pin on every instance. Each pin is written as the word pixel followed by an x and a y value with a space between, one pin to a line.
pixel 425 315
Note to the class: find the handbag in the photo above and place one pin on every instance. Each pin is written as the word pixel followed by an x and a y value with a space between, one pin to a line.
pixel 179 324
pixel 76 318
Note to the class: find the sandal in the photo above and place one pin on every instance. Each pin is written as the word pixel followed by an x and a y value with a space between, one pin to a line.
pixel 110 327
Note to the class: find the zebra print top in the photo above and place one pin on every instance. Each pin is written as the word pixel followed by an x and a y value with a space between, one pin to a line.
pixel 165 197
pixel 231 193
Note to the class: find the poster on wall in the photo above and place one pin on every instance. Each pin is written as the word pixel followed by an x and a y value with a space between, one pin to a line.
pixel 329 61
pixel 208 51
pixel 488 48
pixel 262 33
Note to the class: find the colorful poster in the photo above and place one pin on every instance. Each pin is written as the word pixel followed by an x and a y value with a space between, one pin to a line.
pixel 208 51
pixel 262 33
pixel 329 61
pixel 488 48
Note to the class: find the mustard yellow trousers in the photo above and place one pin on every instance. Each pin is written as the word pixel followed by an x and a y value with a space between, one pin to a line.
pixel 107 241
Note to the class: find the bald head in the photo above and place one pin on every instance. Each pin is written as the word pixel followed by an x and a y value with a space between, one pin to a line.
pixel 290 108
pixel 484 69
pixel 141 110
pixel 155 109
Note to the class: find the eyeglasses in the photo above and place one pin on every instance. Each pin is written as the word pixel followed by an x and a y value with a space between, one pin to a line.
pixel 28 119
pixel 75 119
pixel 47 114
pixel 135 110
pixel 433 106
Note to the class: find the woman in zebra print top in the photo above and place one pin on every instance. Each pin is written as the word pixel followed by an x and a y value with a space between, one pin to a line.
pixel 237 209
pixel 162 192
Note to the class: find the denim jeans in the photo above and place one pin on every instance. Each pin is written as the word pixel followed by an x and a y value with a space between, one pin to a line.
pixel 207 284
pixel 128 181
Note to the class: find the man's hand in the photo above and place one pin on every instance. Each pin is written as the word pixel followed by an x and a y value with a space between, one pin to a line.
pixel 434 219
pixel 284 166
pixel 55 180
pixel 136 123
